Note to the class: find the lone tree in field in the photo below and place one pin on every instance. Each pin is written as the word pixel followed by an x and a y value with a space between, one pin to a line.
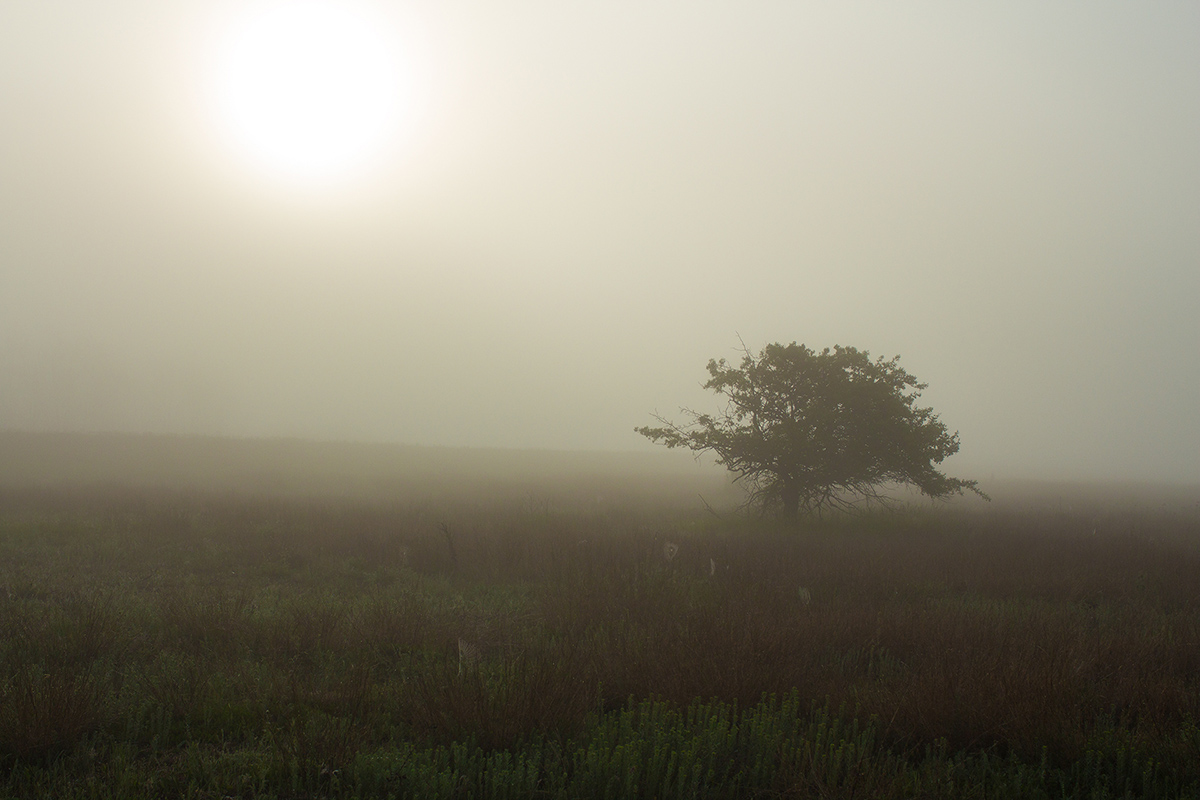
pixel 811 431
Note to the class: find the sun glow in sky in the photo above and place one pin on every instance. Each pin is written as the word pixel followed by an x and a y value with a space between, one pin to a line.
pixel 532 224
pixel 307 90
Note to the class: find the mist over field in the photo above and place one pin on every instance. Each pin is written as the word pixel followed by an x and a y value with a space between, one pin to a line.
pixel 354 431
pixel 586 203
pixel 598 481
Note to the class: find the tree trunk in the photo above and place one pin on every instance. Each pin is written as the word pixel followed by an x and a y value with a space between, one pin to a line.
pixel 791 500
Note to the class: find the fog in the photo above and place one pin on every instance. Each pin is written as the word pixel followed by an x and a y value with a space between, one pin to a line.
pixel 586 202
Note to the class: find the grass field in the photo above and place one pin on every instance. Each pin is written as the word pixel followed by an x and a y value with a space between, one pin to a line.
pixel 209 643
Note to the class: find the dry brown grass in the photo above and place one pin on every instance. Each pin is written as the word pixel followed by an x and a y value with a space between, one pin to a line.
pixel 331 625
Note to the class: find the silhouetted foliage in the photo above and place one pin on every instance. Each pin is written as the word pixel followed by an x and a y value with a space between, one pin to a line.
pixel 809 431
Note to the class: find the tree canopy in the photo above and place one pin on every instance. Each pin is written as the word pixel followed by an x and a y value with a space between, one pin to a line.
pixel 809 431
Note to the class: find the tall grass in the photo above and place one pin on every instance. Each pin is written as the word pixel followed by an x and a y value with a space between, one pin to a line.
pixel 295 648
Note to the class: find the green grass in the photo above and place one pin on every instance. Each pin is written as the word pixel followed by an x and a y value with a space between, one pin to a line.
pixel 157 643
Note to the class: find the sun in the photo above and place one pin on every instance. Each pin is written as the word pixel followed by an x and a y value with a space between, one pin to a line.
pixel 307 90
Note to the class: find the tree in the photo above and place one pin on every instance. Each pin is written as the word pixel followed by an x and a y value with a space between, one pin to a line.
pixel 809 431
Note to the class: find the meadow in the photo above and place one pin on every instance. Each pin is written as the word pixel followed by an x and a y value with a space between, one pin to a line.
pixel 197 641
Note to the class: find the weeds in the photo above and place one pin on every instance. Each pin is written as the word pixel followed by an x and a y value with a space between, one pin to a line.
pixel 246 647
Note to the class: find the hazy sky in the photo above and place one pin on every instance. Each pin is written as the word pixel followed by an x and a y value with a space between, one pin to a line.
pixel 579 204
